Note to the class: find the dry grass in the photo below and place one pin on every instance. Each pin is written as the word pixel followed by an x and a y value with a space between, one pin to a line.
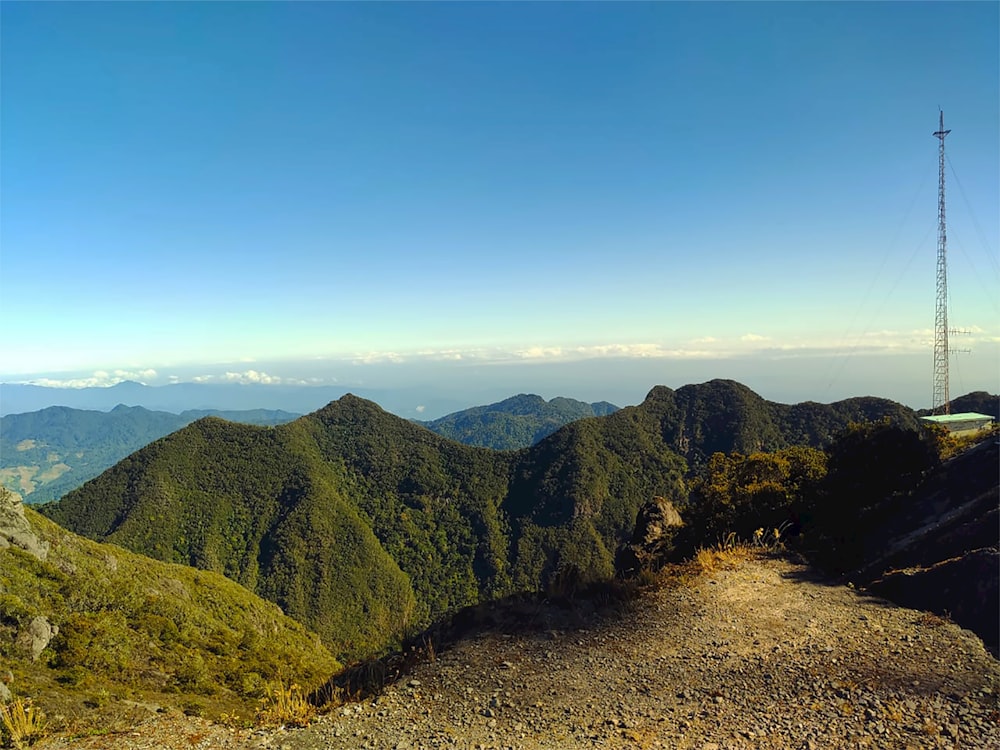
pixel 730 553
pixel 728 557
pixel 932 620
pixel 284 705
pixel 931 728
pixel 23 723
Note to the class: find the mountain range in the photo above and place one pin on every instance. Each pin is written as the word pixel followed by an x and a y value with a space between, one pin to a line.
pixel 363 525
pixel 516 422
pixel 414 401
pixel 46 453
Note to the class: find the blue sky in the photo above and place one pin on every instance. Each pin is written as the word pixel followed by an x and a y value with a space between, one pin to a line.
pixel 335 192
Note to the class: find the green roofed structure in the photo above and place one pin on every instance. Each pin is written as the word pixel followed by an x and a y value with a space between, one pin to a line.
pixel 965 423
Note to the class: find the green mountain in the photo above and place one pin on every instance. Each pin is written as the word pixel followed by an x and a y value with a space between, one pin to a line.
pixel 45 454
pixel 516 422
pixel 364 526
pixel 725 416
pixel 90 629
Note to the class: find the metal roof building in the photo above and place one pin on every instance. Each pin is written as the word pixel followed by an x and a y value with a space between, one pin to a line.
pixel 963 423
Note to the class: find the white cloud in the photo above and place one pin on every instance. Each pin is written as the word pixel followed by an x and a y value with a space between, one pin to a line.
pixel 141 375
pixel 99 379
pixel 250 377
pixel 421 409
pixel 753 337
pixel 371 358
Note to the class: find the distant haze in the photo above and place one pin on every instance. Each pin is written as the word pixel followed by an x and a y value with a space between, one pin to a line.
pixel 427 390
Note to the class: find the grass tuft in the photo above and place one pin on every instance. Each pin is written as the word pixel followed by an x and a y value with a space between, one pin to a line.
pixel 284 705
pixel 24 724
pixel 732 552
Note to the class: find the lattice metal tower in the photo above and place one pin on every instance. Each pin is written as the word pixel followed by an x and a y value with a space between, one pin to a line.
pixel 941 400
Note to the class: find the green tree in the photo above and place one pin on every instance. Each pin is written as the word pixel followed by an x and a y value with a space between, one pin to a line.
pixel 738 494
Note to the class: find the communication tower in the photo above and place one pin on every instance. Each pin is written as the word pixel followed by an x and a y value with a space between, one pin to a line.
pixel 941 400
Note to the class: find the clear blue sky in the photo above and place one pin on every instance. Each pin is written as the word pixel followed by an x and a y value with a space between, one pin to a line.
pixel 190 189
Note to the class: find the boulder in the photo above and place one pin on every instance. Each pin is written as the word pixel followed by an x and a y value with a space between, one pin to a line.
pixel 15 529
pixel 656 525
pixel 36 636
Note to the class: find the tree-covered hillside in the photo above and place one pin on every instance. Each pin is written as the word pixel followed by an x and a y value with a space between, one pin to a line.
pixel 45 454
pixel 516 422
pixel 363 525
pixel 725 416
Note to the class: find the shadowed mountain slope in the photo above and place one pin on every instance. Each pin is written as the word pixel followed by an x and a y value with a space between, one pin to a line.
pixel 726 416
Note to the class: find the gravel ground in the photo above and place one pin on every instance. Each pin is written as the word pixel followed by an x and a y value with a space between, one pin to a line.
pixel 762 656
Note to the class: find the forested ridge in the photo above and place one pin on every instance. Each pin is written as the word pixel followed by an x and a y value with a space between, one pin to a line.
pixel 45 454
pixel 364 526
pixel 515 422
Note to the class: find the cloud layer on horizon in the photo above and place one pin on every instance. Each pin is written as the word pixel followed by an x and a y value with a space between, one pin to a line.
pixel 323 370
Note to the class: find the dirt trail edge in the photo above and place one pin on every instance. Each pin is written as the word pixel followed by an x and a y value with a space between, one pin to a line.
pixel 761 656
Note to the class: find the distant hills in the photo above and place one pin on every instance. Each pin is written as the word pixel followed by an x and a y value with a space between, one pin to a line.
pixel 516 422
pixel 46 453
pixel 363 525
pixel 18 398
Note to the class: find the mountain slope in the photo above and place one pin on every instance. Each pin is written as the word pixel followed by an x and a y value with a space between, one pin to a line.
pixel 46 453
pixel 726 416
pixel 364 525
pixel 128 627
pixel 516 422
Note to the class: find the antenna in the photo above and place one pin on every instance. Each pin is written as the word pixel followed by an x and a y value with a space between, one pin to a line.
pixel 941 402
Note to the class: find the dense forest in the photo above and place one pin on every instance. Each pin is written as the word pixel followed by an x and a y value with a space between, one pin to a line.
pixel 44 454
pixel 364 526
pixel 515 422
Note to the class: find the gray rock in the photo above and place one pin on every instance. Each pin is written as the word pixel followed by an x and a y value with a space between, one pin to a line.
pixel 15 529
pixel 37 636
pixel 652 541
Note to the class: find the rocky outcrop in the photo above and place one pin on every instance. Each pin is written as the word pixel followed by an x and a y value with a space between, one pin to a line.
pixel 656 526
pixel 15 529
pixel 36 636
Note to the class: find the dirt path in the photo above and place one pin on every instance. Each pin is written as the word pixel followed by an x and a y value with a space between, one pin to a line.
pixel 762 656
